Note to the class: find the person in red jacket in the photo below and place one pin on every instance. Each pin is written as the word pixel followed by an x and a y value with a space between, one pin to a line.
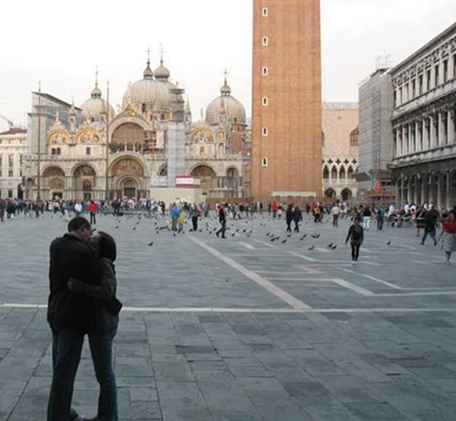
pixel 93 212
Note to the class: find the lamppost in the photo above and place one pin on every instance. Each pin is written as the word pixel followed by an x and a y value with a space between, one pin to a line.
pixel 38 175
pixel 108 115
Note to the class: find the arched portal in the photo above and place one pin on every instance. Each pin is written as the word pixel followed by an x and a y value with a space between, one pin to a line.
pixel 53 183
pixel 129 187
pixel 207 177
pixel 128 179
pixel 347 195
pixel 84 181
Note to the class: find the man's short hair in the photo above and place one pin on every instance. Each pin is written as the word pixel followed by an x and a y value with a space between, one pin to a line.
pixel 77 223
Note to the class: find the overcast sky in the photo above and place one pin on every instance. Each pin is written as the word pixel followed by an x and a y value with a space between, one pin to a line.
pixel 61 43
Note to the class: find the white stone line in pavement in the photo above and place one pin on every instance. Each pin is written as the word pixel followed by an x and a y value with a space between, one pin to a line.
pixel 419 294
pixel 321 250
pixel 303 279
pixel 246 245
pixel 269 286
pixel 254 310
pixel 264 243
pixel 355 288
pixel 302 256
pixel 373 278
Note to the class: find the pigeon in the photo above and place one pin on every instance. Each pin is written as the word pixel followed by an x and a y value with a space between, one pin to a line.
pixel 330 246
pixel 151 244
pixel 304 236
pixel 316 236
pixel 134 228
pixel 334 246
pixel 311 248
pixel 284 241
pixel 388 243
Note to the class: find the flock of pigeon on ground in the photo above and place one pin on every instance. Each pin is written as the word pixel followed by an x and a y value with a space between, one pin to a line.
pixel 236 229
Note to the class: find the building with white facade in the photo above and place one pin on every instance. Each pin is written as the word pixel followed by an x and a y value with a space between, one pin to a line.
pixel 423 118
pixel 375 137
pixel 13 148
pixel 340 150
pixel 141 150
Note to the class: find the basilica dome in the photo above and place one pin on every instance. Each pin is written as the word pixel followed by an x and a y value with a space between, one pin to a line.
pixel 225 106
pixel 148 93
pixel 95 107
pixel 161 72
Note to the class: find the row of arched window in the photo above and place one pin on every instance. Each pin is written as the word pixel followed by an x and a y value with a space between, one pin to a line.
pixel 339 173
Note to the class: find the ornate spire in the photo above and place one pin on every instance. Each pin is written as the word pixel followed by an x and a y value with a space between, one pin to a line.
pixel 162 51
pixel 161 72
pixel 148 73
pixel 96 92
pixel 226 90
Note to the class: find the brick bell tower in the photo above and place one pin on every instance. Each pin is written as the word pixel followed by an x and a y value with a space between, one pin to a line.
pixel 286 109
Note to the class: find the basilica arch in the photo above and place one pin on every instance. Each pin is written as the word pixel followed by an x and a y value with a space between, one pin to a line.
pixel 128 178
pixel 207 176
pixel 53 182
pixel 129 136
pixel 84 180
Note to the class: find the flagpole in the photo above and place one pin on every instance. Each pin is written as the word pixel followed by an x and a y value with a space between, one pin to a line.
pixel 108 116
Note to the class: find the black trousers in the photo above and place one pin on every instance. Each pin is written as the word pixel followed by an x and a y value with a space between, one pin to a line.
pixel 221 230
pixel 195 223
pixel 93 218
pixel 355 251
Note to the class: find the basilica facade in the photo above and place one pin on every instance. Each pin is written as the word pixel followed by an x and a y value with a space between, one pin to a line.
pixel 148 149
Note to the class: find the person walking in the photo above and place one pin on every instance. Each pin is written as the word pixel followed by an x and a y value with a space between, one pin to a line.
pixel 335 212
pixel 448 236
pixel 194 215
pixel 93 212
pixel 70 316
pixel 431 218
pixel 174 214
pixel 107 318
pixel 367 215
pixel 2 209
pixel 356 235
pixel 380 216
pixel 181 221
pixel 297 218
pixel 78 208
pixel 222 220
pixel 289 216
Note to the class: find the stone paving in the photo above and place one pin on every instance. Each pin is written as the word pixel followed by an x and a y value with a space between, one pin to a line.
pixel 245 329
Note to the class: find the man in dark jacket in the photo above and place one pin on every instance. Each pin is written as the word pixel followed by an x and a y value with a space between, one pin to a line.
pixel 222 220
pixel 70 316
pixel 431 218
pixel 2 209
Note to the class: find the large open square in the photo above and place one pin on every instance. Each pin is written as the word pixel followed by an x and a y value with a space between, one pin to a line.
pixel 245 328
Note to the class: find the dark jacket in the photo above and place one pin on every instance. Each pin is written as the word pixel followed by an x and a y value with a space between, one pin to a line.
pixel 222 216
pixel 289 215
pixel 356 234
pixel 431 218
pixel 105 294
pixel 297 215
pixel 71 258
